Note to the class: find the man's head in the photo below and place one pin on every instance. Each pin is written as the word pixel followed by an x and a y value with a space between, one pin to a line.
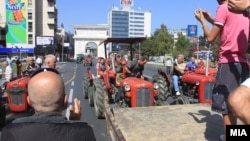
pixel 50 61
pixel 30 60
pixel 102 61
pixel 143 60
pixel 180 58
pixel 46 92
pixel 192 59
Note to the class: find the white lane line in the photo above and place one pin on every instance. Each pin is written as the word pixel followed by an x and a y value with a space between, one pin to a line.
pixel 70 99
pixel 72 83
pixel 150 77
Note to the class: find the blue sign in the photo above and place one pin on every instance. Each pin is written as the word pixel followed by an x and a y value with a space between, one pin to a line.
pixel 17 50
pixel 192 30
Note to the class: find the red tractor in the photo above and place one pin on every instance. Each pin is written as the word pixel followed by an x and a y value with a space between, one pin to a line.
pixel 195 86
pixel 17 92
pixel 112 81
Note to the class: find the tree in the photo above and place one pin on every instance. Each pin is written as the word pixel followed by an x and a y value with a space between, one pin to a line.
pixel 148 47
pixel 162 40
pixel 182 46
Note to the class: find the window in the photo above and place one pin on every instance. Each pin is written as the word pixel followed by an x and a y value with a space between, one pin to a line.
pixel 30 39
pixel 29 3
pixel 30 27
pixel 50 4
pixel 51 15
pixel 51 26
pixel 30 14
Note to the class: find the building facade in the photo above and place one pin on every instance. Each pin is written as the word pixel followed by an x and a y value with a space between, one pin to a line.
pixel 24 23
pixel 88 37
pixel 126 22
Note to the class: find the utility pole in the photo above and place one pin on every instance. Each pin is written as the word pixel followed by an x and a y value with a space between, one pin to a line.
pixel 63 34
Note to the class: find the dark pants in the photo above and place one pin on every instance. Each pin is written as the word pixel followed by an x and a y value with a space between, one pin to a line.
pixel 229 77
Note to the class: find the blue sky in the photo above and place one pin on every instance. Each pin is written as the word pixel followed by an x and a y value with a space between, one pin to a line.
pixel 175 14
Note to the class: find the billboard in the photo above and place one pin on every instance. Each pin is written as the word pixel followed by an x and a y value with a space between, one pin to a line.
pixel 44 40
pixel 16 18
pixel 192 30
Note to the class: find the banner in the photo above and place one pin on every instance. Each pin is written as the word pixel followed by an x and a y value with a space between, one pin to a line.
pixel 192 30
pixel 16 18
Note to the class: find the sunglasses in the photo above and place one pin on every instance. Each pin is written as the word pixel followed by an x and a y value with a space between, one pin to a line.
pixel 44 70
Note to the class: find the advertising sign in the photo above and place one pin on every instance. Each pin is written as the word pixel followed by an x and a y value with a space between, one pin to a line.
pixel 16 18
pixel 44 40
pixel 127 3
pixel 192 30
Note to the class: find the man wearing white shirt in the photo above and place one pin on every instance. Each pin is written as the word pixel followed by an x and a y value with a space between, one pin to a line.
pixel 8 71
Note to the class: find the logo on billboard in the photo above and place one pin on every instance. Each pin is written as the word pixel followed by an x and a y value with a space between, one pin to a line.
pixel 127 3
pixel 44 40
pixel 192 30
pixel 16 13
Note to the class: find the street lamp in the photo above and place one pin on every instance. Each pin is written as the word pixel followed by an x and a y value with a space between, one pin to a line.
pixel 62 42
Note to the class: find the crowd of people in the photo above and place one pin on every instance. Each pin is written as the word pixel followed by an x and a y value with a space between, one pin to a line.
pixel 7 66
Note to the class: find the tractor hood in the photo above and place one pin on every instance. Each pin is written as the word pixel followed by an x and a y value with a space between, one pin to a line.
pixel 136 82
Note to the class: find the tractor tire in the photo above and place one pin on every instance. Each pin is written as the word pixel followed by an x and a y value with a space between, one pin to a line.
pixel 86 85
pixel 170 100
pixel 91 96
pixel 182 99
pixel 163 88
pixel 2 114
pixel 99 93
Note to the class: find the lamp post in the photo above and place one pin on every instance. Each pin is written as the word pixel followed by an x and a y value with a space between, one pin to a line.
pixel 62 41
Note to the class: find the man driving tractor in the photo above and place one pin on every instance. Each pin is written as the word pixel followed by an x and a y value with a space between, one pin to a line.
pixel 136 67
pixel 179 68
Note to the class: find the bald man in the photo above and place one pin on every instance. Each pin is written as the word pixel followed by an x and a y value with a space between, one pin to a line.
pixel 47 96
pixel 50 61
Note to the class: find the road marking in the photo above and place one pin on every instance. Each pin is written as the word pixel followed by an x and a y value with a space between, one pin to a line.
pixel 150 77
pixel 72 83
pixel 73 77
pixel 9 115
pixel 70 99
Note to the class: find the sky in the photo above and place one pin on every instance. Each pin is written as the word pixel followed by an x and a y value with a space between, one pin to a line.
pixel 175 14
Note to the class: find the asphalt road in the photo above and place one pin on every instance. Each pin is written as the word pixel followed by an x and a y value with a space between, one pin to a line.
pixel 72 75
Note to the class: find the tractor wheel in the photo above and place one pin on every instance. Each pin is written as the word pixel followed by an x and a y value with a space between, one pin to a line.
pixel 171 100
pixel 163 88
pixel 86 85
pixel 182 99
pixel 2 114
pixel 91 96
pixel 98 98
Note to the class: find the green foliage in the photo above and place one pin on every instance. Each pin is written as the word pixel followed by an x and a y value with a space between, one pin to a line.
pixel 183 45
pixel 160 43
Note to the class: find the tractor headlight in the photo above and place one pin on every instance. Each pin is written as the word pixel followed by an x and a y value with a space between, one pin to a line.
pixel 127 87
pixel 197 83
pixel 98 76
pixel 156 85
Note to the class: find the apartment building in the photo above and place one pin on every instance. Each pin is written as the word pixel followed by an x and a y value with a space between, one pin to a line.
pixel 127 22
